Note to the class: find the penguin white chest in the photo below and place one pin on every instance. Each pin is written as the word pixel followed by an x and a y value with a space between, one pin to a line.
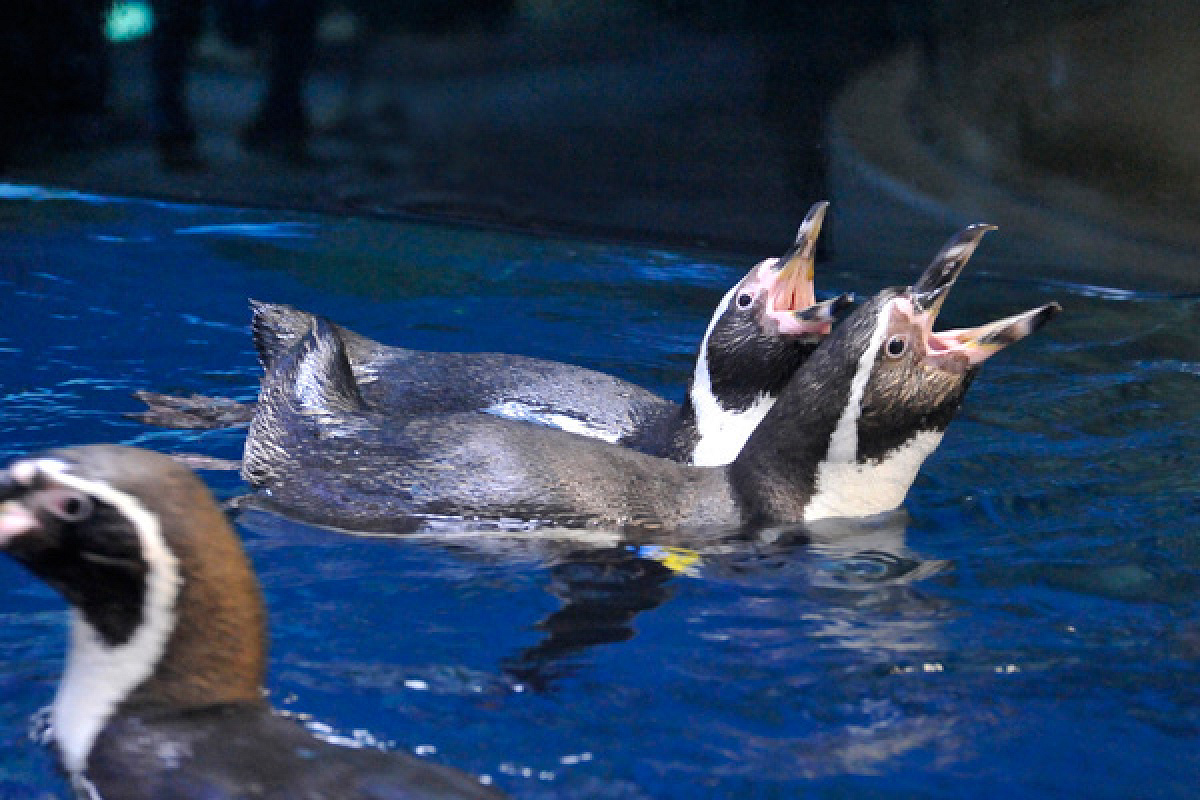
pixel 722 432
pixel 854 489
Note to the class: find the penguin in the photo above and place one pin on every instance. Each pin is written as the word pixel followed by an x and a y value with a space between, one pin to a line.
pixel 845 438
pixel 162 692
pixel 761 331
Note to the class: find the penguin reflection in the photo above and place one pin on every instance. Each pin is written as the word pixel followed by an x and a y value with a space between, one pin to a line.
pixel 860 565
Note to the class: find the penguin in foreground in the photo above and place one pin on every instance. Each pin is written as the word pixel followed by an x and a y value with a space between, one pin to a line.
pixel 162 693
pixel 762 330
pixel 846 437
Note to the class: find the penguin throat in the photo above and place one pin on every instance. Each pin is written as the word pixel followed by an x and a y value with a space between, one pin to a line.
pixel 100 674
pixel 721 432
pixel 863 489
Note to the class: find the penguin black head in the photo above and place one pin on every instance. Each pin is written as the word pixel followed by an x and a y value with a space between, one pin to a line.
pixel 872 403
pixel 761 332
pixel 769 322
pixel 165 609
pixel 75 519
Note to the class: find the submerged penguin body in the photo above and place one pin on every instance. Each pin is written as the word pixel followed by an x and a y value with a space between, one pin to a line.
pixel 762 330
pixel 846 437
pixel 327 458
pixel 399 381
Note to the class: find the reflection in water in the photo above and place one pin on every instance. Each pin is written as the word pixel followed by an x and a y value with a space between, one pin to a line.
pixel 601 591
pixel 840 565
pixel 817 599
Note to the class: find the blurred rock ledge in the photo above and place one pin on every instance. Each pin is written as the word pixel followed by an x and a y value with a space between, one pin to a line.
pixel 1093 191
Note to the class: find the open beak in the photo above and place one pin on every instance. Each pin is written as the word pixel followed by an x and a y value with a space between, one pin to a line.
pixel 980 343
pixel 975 345
pixel 930 290
pixel 792 298
pixel 796 269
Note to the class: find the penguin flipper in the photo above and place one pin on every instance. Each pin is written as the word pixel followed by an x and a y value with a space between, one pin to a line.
pixel 192 412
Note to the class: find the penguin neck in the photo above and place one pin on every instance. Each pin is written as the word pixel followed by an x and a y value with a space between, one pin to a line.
pixel 775 475
pixel 778 473
pixel 864 473
pixel 220 603
pixel 806 461
pixel 720 431
pixel 199 639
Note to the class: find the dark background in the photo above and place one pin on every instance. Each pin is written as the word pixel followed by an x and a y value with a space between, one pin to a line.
pixel 698 123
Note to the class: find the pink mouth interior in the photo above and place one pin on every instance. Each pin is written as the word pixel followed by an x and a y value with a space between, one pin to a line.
pixel 941 342
pixel 936 342
pixel 791 295
pixel 794 295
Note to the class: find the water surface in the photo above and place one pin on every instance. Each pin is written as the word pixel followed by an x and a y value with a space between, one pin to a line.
pixel 1029 628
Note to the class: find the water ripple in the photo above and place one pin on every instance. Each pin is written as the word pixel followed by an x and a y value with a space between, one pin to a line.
pixel 1036 605
pixel 254 230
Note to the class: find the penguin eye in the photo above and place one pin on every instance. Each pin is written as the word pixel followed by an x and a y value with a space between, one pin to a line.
pixel 745 299
pixel 68 505
pixel 897 345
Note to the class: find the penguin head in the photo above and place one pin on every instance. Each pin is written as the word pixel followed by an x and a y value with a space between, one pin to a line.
pixel 858 420
pixel 767 324
pixel 913 378
pixel 905 384
pixel 166 611
pixel 85 522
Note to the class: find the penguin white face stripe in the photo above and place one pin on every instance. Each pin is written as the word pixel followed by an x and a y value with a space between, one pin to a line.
pixel 843 444
pixel 97 676
pixel 722 433
pixel 26 472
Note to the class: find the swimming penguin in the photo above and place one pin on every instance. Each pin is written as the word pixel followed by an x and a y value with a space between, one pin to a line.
pixel 162 693
pixel 845 438
pixel 762 330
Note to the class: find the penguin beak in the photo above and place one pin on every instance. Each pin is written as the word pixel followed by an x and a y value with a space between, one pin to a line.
pixel 825 311
pixel 791 296
pixel 966 347
pixel 930 290
pixel 796 269
pixel 15 518
pixel 981 343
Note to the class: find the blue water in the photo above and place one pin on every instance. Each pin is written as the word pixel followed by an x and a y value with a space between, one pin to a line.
pixel 1031 629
